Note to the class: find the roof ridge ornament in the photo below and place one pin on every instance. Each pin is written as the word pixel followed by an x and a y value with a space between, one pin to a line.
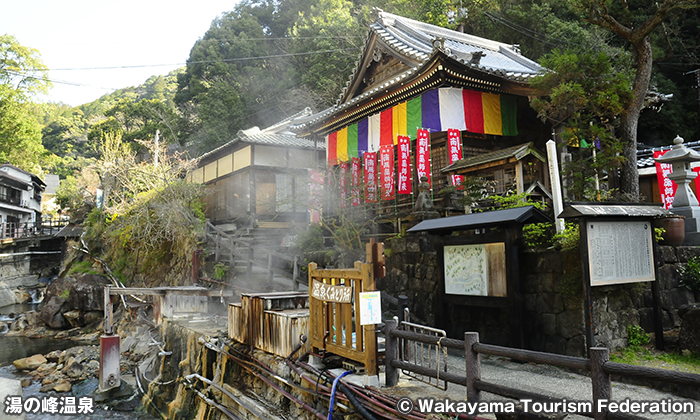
pixel 439 44
pixel 476 58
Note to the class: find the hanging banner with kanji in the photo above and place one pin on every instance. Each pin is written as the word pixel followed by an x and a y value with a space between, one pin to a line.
pixel 454 150
pixel 355 181
pixel 667 187
pixel 316 179
pixel 370 164
pixel 423 155
pixel 386 171
pixel 405 185
pixel 342 182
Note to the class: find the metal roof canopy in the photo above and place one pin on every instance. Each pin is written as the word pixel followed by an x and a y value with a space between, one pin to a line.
pixel 526 214
pixel 613 210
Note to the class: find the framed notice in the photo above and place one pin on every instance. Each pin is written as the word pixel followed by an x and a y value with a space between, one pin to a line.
pixel 475 270
pixel 620 252
pixel 370 308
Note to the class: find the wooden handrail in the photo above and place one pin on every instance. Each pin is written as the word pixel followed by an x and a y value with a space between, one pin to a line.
pixel 600 367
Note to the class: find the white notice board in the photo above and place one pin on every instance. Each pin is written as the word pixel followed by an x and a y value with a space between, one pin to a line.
pixel 370 308
pixel 620 252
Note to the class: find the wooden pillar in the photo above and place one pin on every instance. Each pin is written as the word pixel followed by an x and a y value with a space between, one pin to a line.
pixel 602 388
pixel 473 365
pixel 392 352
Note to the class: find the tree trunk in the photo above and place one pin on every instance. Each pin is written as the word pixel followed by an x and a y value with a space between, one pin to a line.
pixel 643 58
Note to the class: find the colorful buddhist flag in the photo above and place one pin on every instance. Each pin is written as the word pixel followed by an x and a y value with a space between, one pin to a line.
pixel 362 139
pixel 405 186
pixel 331 148
pixel 375 128
pixel 451 108
pixel 352 141
pixel 342 142
pixel 414 116
pixel 387 127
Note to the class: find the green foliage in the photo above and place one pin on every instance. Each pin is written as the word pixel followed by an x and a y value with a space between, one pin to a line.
pixel 220 271
pixel 670 361
pixel 512 200
pixel 659 233
pixel 690 274
pixel 586 92
pixel 81 267
pixel 636 337
pixel 569 238
pixel 538 235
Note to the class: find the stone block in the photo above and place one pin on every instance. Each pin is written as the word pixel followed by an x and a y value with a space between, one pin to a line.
pixel 548 324
pixel 681 296
pixel 576 346
pixel 550 303
pixel 570 324
pixel 10 387
pixel 555 344
pixel 531 302
pixel 689 336
pixel 669 276
pixel 668 254
pixel 413 247
pixel 687 252
pixel 397 245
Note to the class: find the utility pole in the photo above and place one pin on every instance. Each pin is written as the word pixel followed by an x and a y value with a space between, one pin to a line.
pixel 155 155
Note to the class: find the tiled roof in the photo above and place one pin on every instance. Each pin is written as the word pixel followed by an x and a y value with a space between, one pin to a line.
pixel 274 135
pixel 418 42
pixel 645 157
pixel 517 152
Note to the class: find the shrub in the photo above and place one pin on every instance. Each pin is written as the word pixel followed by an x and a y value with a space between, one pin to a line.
pixel 690 274
pixel 636 337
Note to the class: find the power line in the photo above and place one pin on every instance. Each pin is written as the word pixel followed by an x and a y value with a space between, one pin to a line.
pixel 224 60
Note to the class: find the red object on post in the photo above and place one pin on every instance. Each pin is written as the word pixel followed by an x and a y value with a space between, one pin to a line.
pixel 109 362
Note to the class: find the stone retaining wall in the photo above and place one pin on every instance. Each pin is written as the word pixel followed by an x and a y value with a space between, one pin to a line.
pixel 552 293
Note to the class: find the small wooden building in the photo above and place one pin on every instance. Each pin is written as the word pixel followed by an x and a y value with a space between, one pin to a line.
pixel 259 176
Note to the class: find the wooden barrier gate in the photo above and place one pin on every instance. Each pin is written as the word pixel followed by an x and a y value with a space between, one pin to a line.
pixel 334 303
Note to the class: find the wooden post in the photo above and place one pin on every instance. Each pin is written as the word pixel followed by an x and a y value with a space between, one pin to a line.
pixel 391 352
pixel 656 298
pixel 295 274
pixel 368 285
pixel 251 255
pixel 108 312
pixel 269 268
pixel 473 365
pixel 216 253
pixel 602 389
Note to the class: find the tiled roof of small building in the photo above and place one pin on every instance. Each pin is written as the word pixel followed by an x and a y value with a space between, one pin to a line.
pixel 517 152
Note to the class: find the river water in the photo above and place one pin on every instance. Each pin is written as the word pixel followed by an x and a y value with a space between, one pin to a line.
pixel 13 348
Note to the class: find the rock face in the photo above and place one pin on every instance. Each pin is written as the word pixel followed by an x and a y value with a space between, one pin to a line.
pixel 689 336
pixel 74 302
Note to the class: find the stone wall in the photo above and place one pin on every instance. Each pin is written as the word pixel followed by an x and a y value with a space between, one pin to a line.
pixel 552 292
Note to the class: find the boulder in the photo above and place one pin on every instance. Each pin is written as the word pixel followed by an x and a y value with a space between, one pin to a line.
pixel 689 336
pixel 88 293
pixel 52 312
pixel 29 363
pixel 62 386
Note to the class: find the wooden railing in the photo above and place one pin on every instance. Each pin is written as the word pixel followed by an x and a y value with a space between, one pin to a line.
pixel 17 230
pixel 239 250
pixel 599 366
pixel 334 307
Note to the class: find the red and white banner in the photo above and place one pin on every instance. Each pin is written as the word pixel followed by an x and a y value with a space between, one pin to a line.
pixel 370 164
pixel 342 183
pixel 316 179
pixel 355 181
pixel 454 150
pixel 423 155
pixel 667 187
pixel 386 171
pixel 405 186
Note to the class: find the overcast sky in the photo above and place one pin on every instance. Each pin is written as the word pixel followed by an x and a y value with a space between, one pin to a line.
pixel 75 37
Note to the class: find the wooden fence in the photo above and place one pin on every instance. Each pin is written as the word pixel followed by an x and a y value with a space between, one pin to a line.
pixel 599 366
pixel 334 304
pixel 238 250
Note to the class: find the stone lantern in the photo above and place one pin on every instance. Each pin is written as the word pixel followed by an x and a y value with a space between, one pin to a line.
pixel 684 203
